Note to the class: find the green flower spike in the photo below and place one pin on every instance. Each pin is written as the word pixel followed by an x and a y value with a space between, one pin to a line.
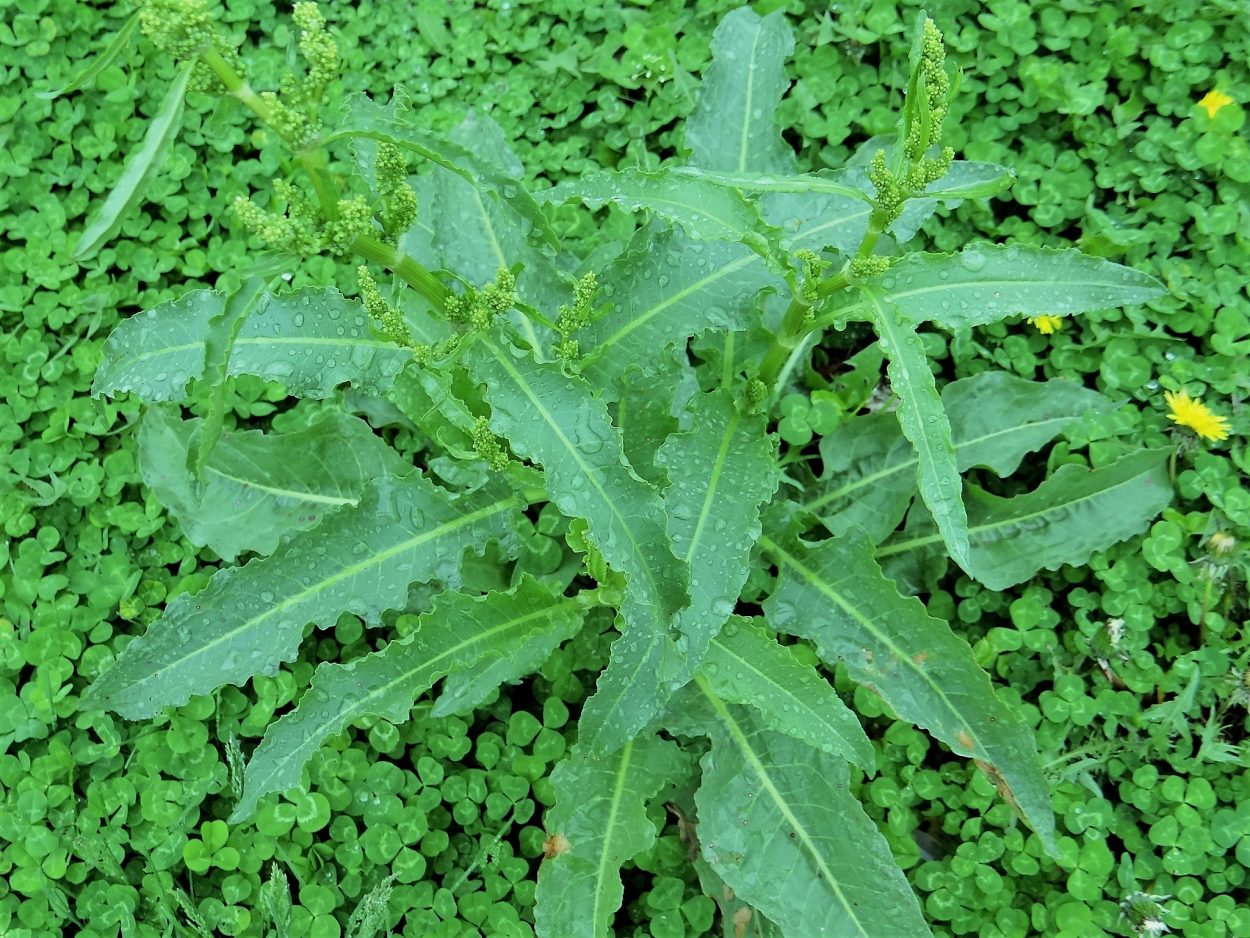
pixel 390 323
pixel 575 317
pixel 488 446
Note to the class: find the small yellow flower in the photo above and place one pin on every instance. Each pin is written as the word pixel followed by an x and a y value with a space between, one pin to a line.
pixel 1213 101
pixel 1184 411
pixel 1047 324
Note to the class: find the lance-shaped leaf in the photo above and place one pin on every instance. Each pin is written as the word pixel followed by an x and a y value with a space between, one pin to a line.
pixel 830 182
pixel 967 179
pixel 223 331
pixel 996 420
pixel 720 471
pixel 117 45
pixel 467 688
pixel 745 665
pixel 138 169
pixel 258 487
pixel 648 405
pixel 836 595
pixel 391 123
pixel 779 824
pixel 478 235
pixel 457 632
pixel 924 423
pixel 663 290
pixel 558 422
pixel 818 220
pixel 987 282
pixel 312 340
pixel 599 820
pixel 250 619
pixel 734 126
pixel 1067 519
pixel 704 210
pixel 870 474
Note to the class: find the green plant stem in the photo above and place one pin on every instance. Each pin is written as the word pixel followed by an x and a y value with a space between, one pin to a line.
pixel 313 161
pixel 793 329
pixel 236 85
pixel 408 270
pixel 797 323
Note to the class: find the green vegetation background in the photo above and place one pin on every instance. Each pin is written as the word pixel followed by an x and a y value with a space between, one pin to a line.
pixel 1092 103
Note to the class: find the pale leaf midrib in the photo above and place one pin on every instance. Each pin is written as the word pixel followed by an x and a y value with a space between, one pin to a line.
pixel 910 461
pixel 592 478
pixel 900 654
pixel 327 582
pixel 360 706
pixel 744 746
pixel 901 546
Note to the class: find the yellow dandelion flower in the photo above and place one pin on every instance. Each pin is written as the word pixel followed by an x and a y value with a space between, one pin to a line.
pixel 1184 411
pixel 1046 324
pixel 1213 101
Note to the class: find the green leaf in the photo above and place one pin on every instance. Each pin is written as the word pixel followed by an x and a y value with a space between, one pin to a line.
pixel 119 44
pixel 745 665
pixel 466 688
pixel 836 595
pixel 599 820
pixel 1071 516
pixel 259 487
pixel 996 420
pixel 704 210
pixel 818 220
pixel 478 235
pixel 312 340
pixel 870 470
pixel 249 619
pixel 363 117
pixel 557 421
pixel 662 291
pixel 457 632
pixel 139 168
pixel 924 423
pixel 222 333
pixel 779 824
pixel 971 180
pixel 720 472
pixel 734 124
pixel 647 409
pixel 984 283
pixel 830 182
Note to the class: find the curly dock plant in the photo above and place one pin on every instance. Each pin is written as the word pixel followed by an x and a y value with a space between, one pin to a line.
pixel 635 391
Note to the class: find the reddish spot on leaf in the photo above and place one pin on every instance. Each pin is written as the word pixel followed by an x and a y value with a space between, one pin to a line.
pixel 965 739
pixel 920 657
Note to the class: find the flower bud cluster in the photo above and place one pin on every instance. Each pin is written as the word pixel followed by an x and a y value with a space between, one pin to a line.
pixel 290 122
pixel 399 202
pixel 890 193
pixel 813 271
pixel 757 391
pixel 184 29
pixel 865 268
pixel 488 446
pixel 575 317
pixel 317 47
pixel 294 231
pixel 478 308
pixel 180 28
pixel 390 323
pixel 355 220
